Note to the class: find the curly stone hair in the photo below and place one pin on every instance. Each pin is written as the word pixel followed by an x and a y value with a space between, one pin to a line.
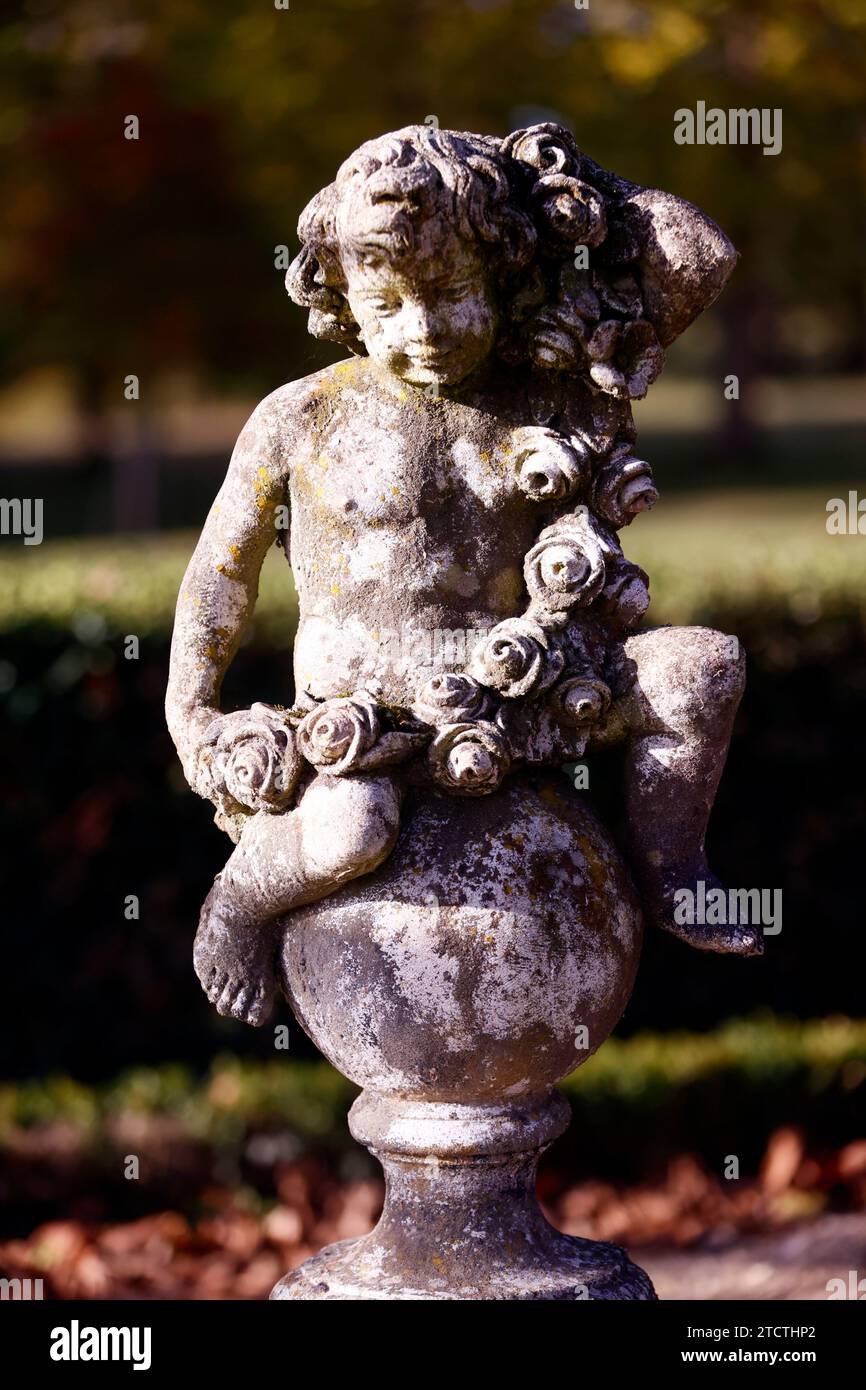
pixel 376 199
pixel 582 258
pixel 566 243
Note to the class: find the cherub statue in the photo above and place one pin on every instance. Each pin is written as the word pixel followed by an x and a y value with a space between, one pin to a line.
pixel 456 489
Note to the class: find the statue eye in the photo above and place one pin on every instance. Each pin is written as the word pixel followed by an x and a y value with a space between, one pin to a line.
pixel 384 307
pixel 452 293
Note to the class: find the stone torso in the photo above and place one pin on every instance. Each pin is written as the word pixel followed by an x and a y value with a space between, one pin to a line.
pixel 408 528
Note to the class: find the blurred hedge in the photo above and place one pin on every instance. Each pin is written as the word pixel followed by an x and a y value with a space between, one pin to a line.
pixel 727 550
pixel 639 1100
pixel 644 1071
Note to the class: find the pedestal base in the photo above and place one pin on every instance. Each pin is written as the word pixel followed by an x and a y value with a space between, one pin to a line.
pixel 569 1270
pixel 461 1219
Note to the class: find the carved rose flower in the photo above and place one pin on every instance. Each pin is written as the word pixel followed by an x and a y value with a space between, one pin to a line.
pixel 566 566
pixel 626 596
pixel 572 211
pixel 549 467
pixel 517 659
pixel 469 759
pixel 580 699
pixel 451 697
pixel 557 339
pixel 336 734
pixel 619 292
pixel 623 488
pixel 625 359
pixel 251 760
pixel 641 357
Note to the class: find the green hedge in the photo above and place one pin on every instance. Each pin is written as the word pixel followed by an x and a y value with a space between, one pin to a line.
pixel 764 1057
pixel 715 552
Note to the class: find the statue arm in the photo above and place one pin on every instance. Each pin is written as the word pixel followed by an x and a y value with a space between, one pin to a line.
pixel 219 589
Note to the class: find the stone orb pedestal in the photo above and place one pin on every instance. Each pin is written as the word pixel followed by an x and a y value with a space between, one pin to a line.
pixel 488 957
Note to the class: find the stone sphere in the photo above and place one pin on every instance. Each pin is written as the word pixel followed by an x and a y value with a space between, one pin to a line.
pixel 490 955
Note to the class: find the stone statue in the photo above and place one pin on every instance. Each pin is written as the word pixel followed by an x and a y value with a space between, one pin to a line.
pixel 448 918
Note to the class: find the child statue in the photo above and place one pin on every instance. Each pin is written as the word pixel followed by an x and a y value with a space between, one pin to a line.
pixel 455 491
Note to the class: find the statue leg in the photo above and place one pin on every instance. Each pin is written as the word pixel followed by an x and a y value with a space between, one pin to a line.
pixel 677 722
pixel 341 828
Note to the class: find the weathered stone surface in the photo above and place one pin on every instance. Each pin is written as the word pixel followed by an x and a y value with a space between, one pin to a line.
pixel 488 956
pixel 461 1220
pixel 450 501
pixel 463 968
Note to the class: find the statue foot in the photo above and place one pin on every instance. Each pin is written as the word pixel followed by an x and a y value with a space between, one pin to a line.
pixel 681 900
pixel 234 960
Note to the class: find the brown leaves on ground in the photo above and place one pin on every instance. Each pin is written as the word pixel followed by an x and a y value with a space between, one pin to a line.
pixel 230 1251
pixel 691 1204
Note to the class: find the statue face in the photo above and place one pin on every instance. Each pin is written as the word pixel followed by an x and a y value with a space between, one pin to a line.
pixel 429 318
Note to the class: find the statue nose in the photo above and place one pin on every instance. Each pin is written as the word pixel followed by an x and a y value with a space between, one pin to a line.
pixel 422 325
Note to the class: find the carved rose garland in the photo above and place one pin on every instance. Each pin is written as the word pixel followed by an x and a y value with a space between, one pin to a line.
pixel 575 574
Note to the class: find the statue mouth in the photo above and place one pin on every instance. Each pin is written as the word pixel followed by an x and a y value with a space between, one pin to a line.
pixel 431 363
pixel 431 360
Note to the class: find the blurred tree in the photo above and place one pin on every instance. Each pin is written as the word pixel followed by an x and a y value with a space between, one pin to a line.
pixel 122 259
pixel 122 256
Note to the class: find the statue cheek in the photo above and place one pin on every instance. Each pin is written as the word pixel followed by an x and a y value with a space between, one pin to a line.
pixel 385 335
pixel 486 324
pixel 472 319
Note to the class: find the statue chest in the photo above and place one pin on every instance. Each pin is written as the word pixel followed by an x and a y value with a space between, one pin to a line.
pixel 382 474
